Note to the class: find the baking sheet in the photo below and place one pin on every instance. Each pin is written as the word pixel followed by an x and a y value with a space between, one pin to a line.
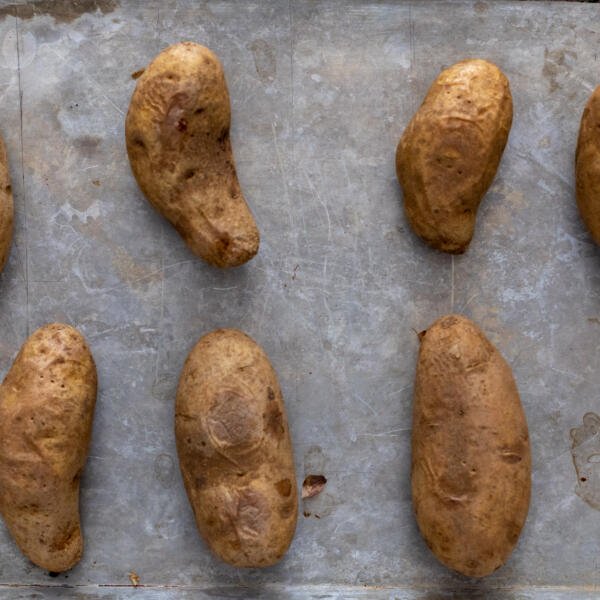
pixel 321 92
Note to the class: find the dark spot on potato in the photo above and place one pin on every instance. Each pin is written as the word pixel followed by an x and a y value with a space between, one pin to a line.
pixel 284 487
pixel 223 136
pixel 270 393
pixel 200 481
pixel 583 479
pixel 199 111
pixel 8 189
pixel 274 423
pixel 137 73
pixel 510 458
pixel 181 125
pixel 189 174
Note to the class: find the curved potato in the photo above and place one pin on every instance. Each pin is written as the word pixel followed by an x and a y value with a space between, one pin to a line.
pixel 235 451
pixel 587 165
pixel 177 135
pixel 6 207
pixel 449 153
pixel 471 463
pixel 46 409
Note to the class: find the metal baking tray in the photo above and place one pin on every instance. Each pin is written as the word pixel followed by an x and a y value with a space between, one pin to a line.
pixel 321 92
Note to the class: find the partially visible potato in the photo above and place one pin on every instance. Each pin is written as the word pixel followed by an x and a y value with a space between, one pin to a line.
pixel 177 134
pixel 235 451
pixel 471 463
pixel 46 410
pixel 450 151
pixel 6 207
pixel 587 165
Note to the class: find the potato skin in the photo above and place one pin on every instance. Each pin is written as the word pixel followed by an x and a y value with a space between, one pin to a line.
pixel 177 135
pixel 46 409
pixel 449 153
pixel 587 165
pixel 235 451
pixel 6 207
pixel 471 462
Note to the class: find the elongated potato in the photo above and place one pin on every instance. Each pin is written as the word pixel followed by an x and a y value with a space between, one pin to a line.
pixel 587 165
pixel 177 134
pixel 235 451
pixel 46 409
pixel 6 207
pixel 471 463
pixel 450 151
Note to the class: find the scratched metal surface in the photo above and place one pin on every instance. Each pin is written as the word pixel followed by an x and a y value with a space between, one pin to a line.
pixel 321 92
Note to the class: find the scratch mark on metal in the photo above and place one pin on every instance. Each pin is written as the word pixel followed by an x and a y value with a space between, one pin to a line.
pixel 23 170
pixel 316 195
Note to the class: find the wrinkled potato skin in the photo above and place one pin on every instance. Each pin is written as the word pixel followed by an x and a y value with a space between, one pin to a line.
pixel 449 153
pixel 177 135
pixel 587 165
pixel 235 451
pixel 6 207
pixel 46 409
pixel 471 462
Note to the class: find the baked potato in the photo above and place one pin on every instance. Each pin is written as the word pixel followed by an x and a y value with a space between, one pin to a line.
pixel 234 450
pixel 471 462
pixel 587 166
pixel 449 153
pixel 46 409
pixel 177 135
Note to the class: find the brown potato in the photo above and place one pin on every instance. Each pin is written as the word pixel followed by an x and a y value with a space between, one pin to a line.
pixel 46 410
pixel 587 165
pixel 177 134
pixel 6 207
pixel 235 451
pixel 471 463
pixel 450 151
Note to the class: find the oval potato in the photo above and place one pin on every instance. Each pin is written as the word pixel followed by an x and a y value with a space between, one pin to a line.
pixel 587 165
pixel 449 153
pixel 471 463
pixel 177 135
pixel 235 451
pixel 46 409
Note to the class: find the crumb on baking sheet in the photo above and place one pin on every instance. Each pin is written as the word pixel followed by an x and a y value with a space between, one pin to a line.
pixel 313 485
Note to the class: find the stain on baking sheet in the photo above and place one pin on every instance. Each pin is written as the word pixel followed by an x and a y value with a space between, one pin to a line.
pixel 555 65
pixel 264 60
pixel 62 11
pixel 586 458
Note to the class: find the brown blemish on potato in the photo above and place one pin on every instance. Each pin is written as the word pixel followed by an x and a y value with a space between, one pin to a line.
pixel 284 487
pixel 233 422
